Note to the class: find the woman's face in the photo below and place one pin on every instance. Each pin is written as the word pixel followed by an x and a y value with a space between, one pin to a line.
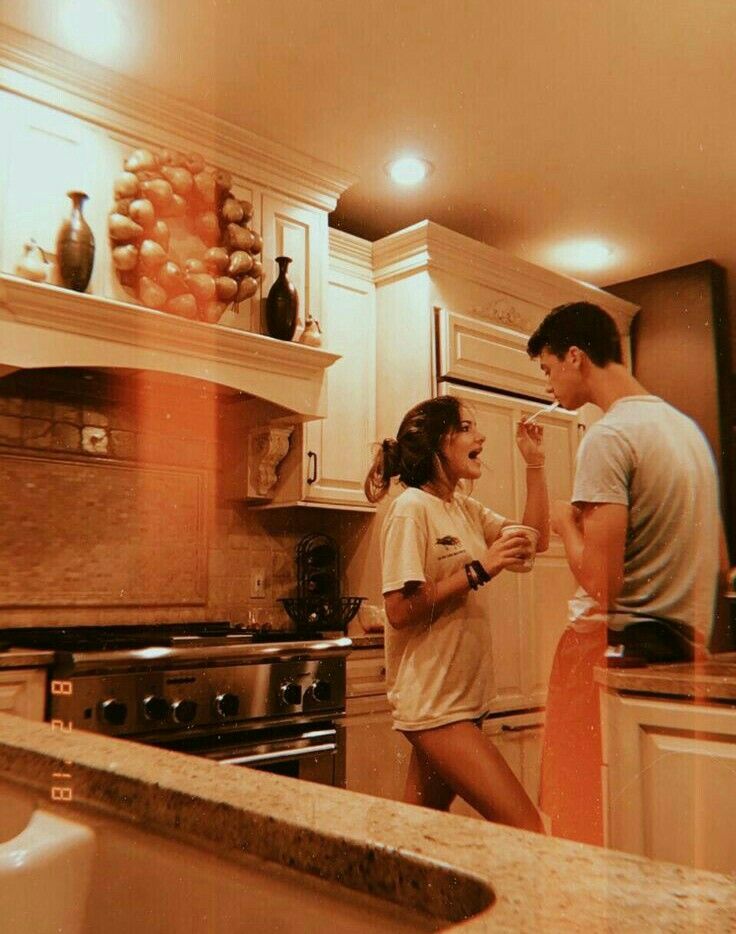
pixel 461 448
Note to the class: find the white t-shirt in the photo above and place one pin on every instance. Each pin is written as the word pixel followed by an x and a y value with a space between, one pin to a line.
pixel 646 455
pixel 442 671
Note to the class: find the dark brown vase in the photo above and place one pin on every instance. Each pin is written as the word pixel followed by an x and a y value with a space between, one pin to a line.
pixel 282 304
pixel 75 247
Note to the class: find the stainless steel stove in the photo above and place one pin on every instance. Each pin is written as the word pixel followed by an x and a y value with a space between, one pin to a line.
pixel 239 697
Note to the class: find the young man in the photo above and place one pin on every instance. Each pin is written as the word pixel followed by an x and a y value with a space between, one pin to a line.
pixel 642 537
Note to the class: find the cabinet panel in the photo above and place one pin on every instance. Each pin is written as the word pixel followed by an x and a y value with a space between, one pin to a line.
pixel 342 442
pixel 376 756
pixel 488 354
pixel 328 459
pixel 295 231
pixel 666 758
pixel 23 692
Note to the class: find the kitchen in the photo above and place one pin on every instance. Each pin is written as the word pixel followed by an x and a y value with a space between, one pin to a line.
pixel 189 461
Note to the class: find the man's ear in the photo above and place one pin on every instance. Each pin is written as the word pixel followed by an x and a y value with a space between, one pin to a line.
pixel 576 356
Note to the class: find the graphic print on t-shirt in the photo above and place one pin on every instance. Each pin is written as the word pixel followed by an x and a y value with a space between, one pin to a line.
pixel 452 546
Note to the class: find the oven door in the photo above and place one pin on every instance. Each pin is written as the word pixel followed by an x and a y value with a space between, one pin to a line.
pixel 315 752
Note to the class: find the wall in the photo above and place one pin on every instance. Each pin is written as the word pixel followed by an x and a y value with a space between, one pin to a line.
pixel 114 508
pixel 681 347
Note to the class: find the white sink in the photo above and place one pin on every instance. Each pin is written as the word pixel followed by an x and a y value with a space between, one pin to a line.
pixel 76 873
pixel 45 866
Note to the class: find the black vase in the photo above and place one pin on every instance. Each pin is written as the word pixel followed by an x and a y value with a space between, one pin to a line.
pixel 75 247
pixel 282 304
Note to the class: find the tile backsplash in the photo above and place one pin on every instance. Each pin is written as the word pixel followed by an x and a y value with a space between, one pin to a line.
pixel 114 511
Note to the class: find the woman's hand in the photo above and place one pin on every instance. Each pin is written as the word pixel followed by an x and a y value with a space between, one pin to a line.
pixel 506 551
pixel 529 440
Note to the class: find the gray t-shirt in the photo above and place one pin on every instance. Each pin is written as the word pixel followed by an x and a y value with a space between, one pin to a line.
pixel 648 456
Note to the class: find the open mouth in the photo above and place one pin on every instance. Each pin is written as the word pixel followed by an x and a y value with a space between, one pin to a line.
pixel 474 455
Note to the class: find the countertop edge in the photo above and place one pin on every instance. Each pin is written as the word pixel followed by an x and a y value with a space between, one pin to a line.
pixel 373 845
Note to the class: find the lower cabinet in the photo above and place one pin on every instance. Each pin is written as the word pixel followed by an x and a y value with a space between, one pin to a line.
pixel 23 692
pixel 518 737
pixel 669 778
pixel 376 756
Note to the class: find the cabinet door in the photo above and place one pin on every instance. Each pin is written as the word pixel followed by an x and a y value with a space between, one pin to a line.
pixel 23 692
pixel 338 448
pixel 529 610
pixel 670 780
pixel 376 756
pixel 289 229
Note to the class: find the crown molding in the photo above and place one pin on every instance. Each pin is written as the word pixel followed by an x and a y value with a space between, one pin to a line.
pixel 427 246
pixel 42 72
pixel 44 326
pixel 350 255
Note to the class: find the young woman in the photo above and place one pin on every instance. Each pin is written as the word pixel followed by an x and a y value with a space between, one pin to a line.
pixel 440 552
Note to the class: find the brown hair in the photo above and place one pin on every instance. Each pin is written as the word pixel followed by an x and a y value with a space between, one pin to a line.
pixel 412 456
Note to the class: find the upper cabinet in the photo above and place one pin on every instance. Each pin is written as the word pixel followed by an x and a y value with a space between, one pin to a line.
pixel 328 460
pixel 496 301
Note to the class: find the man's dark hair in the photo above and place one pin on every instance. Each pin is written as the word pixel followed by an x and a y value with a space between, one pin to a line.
pixel 578 324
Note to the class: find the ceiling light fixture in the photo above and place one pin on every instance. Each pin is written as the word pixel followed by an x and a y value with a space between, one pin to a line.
pixel 581 255
pixel 409 170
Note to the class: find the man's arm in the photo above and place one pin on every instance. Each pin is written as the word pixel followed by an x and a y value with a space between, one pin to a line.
pixel 594 537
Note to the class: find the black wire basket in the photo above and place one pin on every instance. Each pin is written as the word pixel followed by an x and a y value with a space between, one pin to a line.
pixel 315 613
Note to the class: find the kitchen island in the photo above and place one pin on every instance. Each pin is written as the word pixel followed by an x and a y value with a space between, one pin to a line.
pixel 669 761
pixel 451 867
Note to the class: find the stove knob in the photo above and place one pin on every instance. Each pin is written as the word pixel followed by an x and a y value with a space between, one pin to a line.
pixel 184 711
pixel 155 707
pixel 291 693
pixel 114 711
pixel 321 691
pixel 227 705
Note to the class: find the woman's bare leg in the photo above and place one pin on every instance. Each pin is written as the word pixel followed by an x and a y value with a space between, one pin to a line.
pixel 470 765
pixel 424 786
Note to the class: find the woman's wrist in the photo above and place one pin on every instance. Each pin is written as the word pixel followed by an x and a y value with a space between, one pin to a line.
pixel 536 465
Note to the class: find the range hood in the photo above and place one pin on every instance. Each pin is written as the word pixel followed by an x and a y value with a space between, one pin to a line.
pixel 46 326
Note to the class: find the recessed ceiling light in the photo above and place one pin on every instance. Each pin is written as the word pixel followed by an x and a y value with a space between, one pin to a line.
pixel 582 255
pixel 409 170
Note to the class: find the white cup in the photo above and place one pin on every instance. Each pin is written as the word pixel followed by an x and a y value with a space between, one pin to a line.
pixel 532 536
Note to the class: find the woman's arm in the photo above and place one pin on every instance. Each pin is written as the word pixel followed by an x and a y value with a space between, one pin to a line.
pixel 536 510
pixel 422 601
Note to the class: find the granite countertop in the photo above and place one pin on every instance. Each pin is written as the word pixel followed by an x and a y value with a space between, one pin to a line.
pixel 451 866
pixel 714 679
pixel 26 658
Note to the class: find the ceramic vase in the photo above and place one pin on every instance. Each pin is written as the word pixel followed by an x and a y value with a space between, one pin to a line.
pixel 75 247
pixel 282 304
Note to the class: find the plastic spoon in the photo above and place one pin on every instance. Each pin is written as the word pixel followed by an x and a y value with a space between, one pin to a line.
pixel 546 410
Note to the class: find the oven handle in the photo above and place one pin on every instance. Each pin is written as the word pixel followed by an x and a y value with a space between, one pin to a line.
pixel 281 756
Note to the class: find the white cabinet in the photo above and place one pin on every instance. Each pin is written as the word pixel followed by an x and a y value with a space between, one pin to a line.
pixel 291 229
pixel 328 460
pixel 23 692
pixel 376 756
pixel 670 780
pixel 519 740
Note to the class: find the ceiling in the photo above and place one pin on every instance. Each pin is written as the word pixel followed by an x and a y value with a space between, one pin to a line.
pixel 546 122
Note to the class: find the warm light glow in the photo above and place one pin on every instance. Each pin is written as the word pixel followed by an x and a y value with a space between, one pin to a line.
pixel 97 24
pixel 581 255
pixel 409 170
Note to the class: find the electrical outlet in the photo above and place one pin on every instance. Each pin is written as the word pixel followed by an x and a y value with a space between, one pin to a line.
pixel 258 583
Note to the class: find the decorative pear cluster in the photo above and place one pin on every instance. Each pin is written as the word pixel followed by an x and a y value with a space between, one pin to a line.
pixel 157 186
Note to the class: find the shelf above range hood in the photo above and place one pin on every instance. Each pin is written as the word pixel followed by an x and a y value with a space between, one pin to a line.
pixel 45 326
